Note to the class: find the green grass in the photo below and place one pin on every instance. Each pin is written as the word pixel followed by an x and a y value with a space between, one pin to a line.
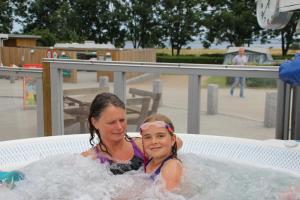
pixel 220 81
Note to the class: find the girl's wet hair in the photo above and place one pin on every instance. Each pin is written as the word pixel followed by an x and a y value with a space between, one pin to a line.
pixel 160 117
pixel 99 104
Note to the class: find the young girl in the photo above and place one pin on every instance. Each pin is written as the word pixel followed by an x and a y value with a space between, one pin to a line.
pixel 159 144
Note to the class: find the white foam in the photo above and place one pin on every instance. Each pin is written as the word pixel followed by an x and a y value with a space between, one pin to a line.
pixel 71 177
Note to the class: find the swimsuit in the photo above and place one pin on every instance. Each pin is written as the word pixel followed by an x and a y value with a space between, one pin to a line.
pixel 157 171
pixel 119 168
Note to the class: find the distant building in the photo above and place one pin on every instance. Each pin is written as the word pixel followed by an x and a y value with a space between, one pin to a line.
pixel 255 55
pixel 86 45
pixel 18 40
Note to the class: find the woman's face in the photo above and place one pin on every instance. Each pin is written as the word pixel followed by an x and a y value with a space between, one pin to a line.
pixel 111 124
pixel 157 142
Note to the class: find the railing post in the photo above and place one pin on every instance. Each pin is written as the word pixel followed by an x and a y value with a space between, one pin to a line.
pixel 194 104
pixel 40 107
pixel 47 99
pixel 120 85
pixel 283 110
pixel 295 132
pixel 57 109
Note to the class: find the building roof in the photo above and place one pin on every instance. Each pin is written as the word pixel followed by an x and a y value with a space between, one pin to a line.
pixel 24 36
pixel 85 45
pixel 253 49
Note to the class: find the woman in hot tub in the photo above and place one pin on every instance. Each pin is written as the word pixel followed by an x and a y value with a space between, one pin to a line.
pixel 107 122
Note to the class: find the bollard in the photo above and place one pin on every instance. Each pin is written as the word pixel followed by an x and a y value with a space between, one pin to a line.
pixel 212 99
pixel 157 88
pixel 12 78
pixel 103 81
pixel 270 109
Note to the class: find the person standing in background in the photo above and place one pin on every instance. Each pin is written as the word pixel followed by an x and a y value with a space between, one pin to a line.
pixel 240 59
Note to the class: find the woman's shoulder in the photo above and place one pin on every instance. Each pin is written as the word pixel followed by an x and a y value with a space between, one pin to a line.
pixel 89 152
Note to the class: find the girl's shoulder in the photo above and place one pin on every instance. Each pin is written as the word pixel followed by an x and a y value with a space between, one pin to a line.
pixel 172 172
pixel 173 162
pixel 173 165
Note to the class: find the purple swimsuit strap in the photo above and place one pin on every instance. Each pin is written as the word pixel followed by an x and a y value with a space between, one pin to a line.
pixel 104 159
pixel 157 171
pixel 137 151
pixel 100 156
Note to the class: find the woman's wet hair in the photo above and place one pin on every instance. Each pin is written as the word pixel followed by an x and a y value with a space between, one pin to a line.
pixel 164 118
pixel 99 104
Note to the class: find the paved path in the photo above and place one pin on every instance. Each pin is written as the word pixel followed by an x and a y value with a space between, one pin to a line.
pixel 237 117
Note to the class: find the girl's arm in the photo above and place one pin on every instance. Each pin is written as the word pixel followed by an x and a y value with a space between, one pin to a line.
pixel 171 173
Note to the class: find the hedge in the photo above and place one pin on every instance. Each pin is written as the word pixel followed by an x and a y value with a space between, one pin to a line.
pixel 206 59
pixel 213 59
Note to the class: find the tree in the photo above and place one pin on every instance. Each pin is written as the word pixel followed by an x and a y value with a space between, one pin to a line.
pixel 143 24
pixel 287 33
pixel 51 19
pixel 181 21
pixel 6 20
pixel 232 21
pixel 99 20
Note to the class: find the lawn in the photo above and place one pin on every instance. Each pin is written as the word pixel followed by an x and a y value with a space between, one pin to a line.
pixel 274 51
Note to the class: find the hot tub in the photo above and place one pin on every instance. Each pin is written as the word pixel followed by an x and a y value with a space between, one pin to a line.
pixel 18 153
pixel 220 168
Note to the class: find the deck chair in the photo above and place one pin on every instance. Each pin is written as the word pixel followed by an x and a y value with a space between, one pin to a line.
pixel 137 110
pixel 155 98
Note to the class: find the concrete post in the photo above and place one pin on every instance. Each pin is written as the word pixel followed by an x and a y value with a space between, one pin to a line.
pixel 157 88
pixel 270 109
pixel 212 99
pixel 12 78
pixel 103 81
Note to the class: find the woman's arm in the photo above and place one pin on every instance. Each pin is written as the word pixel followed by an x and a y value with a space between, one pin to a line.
pixel 178 142
pixel 171 173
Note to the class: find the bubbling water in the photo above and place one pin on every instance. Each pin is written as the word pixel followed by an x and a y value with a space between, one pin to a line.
pixel 72 177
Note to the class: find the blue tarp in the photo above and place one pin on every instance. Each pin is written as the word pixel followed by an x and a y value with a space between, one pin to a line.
pixel 289 71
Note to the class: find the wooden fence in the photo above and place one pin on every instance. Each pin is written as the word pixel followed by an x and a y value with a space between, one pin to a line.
pixel 34 55
pixel 20 56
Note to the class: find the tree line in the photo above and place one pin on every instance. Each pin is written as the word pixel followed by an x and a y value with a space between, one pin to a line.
pixel 146 23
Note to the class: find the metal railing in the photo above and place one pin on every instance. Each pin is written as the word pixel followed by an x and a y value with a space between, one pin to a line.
pixel 194 71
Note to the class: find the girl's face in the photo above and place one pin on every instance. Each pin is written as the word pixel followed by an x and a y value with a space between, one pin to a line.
pixel 157 141
pixel 111 124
